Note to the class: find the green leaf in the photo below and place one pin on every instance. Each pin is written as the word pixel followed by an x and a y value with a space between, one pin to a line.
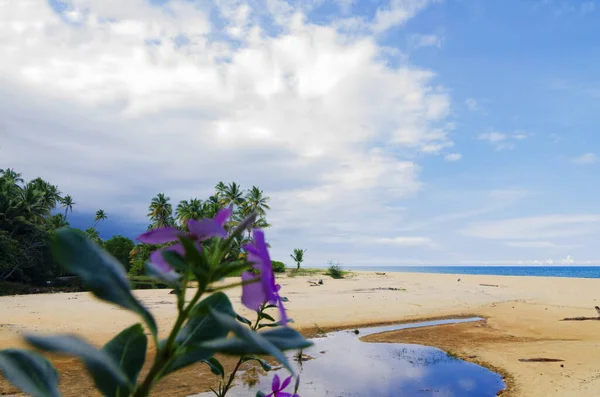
pixel 188 357
pixel 215 366
pixel 198 258
pixel 128 350
pixel 286 338
pixel 262 362
pixel 284 299
pixel 174 259
pixel 243 320
pixel 260 394
pixel 99 363
pixel 276 324
pixel 101 273
pixel 30 372
pixel 171 278
pixel 201 326
pixel 283 338
pixel 266 316
pixel 247 341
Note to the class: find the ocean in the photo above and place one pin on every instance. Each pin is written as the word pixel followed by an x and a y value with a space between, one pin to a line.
pixel 538 271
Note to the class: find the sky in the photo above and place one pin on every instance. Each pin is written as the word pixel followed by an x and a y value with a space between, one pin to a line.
pixel 402 132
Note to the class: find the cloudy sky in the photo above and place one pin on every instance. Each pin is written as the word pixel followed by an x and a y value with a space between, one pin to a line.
pixel 385 132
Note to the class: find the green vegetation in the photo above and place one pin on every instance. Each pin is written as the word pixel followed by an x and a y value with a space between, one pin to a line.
pixel 298 256
pixel 278 267
pixel 31 212
pixel 335 271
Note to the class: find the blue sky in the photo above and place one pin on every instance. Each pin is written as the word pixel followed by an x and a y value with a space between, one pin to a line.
pixel 402 132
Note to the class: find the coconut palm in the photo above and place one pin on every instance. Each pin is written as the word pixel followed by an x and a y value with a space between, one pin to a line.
pixel 220 188
pixel 234 195
pixel 160 211
pixel 298 256
pixel 100 216
pixel 187 210
pixel 56 222
pixel 68 204
pixel 93 234
pixel 257 200
pixel 211 206
pixel 11 175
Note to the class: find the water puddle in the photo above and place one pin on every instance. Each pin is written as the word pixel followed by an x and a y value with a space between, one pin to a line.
pixel 341 365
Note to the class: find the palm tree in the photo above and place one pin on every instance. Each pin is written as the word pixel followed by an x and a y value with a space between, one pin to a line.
pixel 56 222
pixel 187 210
pixel 234 194
pixel 11 175
pixel 258 201
pixel 160 211
pixel 298 256
pixel 100 216
pixel 68 203
pixel 93 234
pixel 51 194
pixel 220 188
pixel 211 206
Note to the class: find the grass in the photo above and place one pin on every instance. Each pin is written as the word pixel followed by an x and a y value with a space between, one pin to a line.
pixel 306 272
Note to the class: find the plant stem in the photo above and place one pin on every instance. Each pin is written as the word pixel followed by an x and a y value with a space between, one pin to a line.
pixel 164 355
pixel 240 361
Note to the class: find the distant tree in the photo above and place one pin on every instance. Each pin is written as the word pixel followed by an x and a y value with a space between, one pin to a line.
pixel 120 247
pixel 298 256
pixel 68 204
pixel 100 216
pixel 160 212
pixel 187 210
pixel 93 234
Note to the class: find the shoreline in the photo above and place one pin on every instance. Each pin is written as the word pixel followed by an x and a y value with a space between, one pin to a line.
pixel 522 321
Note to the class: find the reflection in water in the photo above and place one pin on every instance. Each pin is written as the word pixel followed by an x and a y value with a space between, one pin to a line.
pixel 341 365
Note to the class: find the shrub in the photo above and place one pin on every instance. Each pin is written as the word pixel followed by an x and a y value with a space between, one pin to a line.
pixel 335 271
pixel 278 267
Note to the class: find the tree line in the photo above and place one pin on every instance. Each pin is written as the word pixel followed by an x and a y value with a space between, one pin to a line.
pixel 30 212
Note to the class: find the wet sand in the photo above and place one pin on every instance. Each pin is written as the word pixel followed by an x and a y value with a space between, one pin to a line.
pixel 523 321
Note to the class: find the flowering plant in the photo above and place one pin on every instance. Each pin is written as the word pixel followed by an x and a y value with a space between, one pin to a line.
pixel 205 325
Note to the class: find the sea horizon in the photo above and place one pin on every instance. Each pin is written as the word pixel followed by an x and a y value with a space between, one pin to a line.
pixel 570 271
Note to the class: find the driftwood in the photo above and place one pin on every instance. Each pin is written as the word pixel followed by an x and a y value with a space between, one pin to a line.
pixel 380 274
pixel 541 360
pixel 584 318
pixel 489 285
pixel 580 318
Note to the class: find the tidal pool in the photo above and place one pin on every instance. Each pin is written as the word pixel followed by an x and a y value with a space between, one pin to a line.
pixel 341 365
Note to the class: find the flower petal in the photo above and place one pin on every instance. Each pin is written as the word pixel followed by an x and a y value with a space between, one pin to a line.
pixel 160 236
pixel 205 229
pixel 253 295
pixel 223 215
pixel 157 259
pixel 283 320
pixel 276 383
pixel 286 382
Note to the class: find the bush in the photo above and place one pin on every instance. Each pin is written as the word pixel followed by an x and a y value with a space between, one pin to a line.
pixel 335 271
pixel 137 268
pixel 278 267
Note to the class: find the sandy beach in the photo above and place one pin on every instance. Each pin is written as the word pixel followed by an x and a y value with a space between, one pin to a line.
pixel 523 320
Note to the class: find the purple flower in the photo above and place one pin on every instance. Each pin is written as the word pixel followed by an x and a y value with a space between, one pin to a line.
pixel 264 288
pixel 277 388
pixel 198 230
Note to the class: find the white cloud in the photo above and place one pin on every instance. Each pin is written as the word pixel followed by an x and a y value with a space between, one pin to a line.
pixel 472 104
pixel 530 244
pixel 586 159
pixel 404 241
pixel 453 157
pixel 501 140
pixel 426 40
pixel 535 228
pixel 314 117
pixel 396 13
